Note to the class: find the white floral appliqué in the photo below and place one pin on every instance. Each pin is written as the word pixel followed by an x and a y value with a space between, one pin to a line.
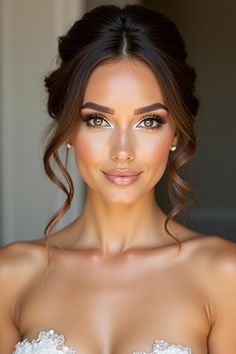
pixel 50 342
pixel 161 346
pixel 47 342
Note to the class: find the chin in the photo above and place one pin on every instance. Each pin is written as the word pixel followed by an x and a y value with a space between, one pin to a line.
pixel 118 198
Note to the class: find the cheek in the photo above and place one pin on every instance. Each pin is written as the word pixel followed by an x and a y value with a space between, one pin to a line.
pixel 83 150
pixel 156 149
pixel 88 149
pixel 92 148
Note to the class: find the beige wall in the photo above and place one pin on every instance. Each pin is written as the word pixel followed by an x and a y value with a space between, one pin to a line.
pixel 28 46
pixel 28 41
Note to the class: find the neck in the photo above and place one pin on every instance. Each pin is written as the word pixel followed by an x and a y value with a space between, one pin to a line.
pixel 117 227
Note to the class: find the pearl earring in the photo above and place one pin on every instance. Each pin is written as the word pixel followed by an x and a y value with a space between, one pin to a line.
pixel 68 145
pixel 173 148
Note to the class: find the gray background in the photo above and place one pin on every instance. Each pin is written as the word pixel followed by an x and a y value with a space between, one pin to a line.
pixel 209 30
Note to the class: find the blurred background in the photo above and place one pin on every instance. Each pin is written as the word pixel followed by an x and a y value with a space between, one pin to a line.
pixel 28 45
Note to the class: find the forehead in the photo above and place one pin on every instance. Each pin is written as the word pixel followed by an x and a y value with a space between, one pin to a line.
pixel 124 78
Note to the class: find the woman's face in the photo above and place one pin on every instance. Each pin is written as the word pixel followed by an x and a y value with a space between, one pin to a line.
pixel 122 136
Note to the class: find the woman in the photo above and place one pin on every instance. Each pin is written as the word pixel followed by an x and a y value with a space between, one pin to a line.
pixel 123 277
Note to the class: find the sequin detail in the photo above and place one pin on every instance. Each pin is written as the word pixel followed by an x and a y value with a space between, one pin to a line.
pixel 50 342
pixel 161 346
pixel 47 342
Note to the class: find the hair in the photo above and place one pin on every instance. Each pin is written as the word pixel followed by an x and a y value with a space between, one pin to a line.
pixel 106 33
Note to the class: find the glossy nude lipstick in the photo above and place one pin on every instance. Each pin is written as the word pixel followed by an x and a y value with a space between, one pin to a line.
pixel 122 176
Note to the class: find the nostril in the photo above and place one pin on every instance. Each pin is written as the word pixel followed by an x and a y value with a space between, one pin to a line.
pixel 122 156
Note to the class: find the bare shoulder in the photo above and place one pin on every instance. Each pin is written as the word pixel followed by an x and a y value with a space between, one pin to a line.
pixel 20 259
pixel 215 252
pixel 213 263
pixel 209 257
pixel 220 255
pixel 18 249
pixel 215 269
pixel 19 263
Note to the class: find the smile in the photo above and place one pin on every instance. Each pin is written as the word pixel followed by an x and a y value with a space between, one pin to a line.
pixel 122 180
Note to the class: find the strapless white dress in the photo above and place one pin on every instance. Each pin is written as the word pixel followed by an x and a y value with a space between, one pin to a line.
pixel 50 342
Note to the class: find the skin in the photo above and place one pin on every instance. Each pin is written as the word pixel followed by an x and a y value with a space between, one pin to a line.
pixel 124 86
pixel 117 282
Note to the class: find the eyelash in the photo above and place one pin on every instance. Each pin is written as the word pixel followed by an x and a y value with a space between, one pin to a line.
pixel 154 117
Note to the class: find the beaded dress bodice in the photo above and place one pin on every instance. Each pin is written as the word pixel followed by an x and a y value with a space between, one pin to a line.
pixel 50 342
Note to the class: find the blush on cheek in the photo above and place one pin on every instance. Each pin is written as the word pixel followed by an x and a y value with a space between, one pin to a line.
pixel 157 159
pixel 158 153
pixel 89 152
pixel 83 150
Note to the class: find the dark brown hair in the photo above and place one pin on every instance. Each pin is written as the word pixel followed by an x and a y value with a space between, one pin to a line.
pixel 109 32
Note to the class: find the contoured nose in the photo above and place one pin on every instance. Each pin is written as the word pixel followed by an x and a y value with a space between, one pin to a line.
pixel 122 145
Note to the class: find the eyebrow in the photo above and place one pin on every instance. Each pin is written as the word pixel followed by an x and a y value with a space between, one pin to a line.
pixel 109 110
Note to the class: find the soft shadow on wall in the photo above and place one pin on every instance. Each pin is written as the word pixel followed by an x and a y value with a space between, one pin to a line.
pixel 209 29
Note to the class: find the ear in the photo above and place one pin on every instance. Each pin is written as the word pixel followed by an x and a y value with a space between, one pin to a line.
pixel 175 140
pixel 71 138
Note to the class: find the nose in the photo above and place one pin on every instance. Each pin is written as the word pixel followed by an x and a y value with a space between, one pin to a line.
pixel 122 149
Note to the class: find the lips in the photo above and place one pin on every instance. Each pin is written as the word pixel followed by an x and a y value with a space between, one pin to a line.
pixel 122 177
pixel 121 172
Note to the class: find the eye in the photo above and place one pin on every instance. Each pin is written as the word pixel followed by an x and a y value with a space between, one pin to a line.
pixel 153 121
pixel 150 122
pixel 96 118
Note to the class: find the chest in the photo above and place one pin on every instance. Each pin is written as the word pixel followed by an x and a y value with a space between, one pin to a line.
pixel 116 308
